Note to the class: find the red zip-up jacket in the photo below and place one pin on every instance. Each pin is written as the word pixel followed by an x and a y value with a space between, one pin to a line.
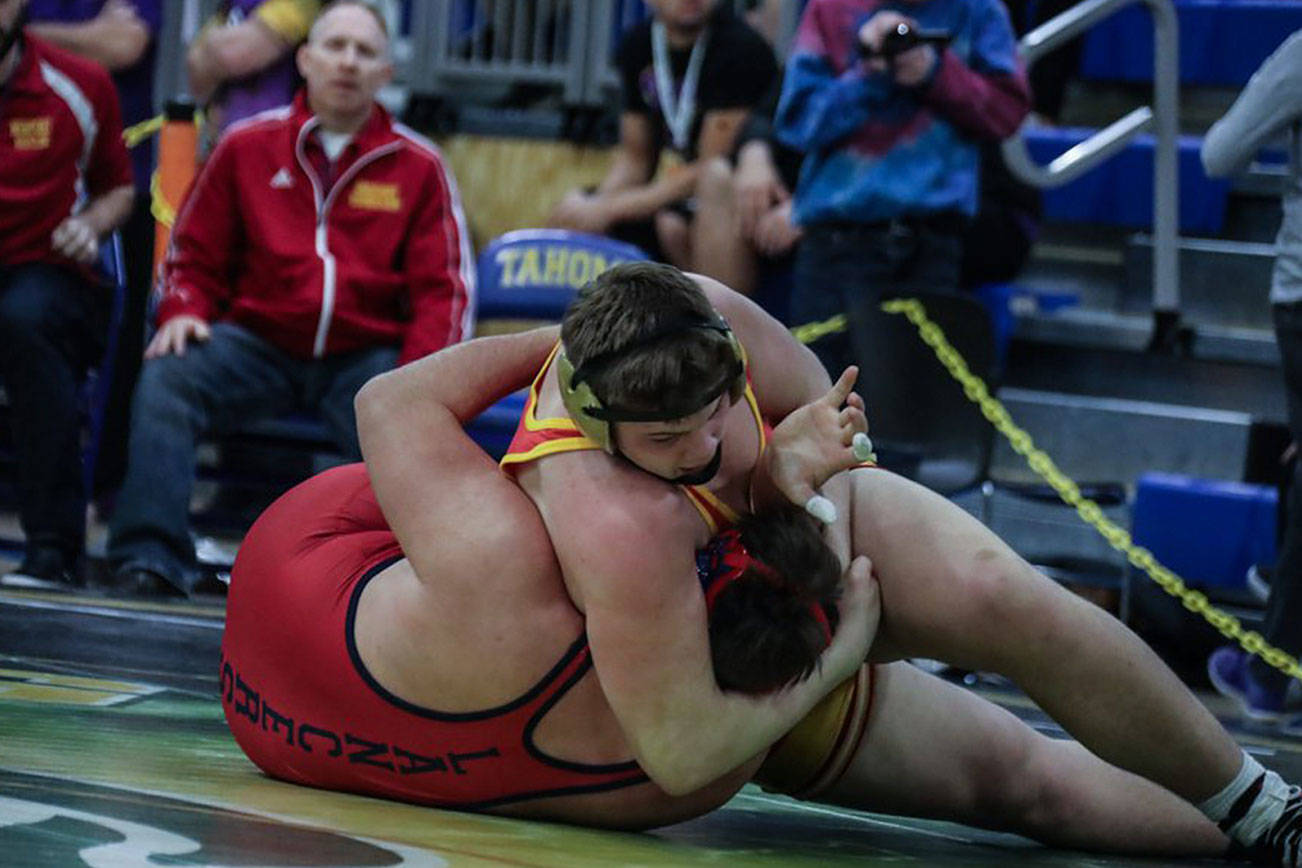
pixel 381 255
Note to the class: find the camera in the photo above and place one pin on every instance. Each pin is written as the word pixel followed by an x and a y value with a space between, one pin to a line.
pixel 902 38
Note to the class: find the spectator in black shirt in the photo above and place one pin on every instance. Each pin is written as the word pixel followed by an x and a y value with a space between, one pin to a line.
pixel 690 76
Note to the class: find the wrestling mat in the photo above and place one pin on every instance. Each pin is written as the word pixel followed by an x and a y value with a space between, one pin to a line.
pixel 114 752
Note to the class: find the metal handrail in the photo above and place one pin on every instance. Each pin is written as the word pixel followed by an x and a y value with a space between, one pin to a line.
pixel 1163 117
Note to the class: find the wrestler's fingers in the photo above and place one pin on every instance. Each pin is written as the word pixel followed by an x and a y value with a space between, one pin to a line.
pixel 852 418
pixel 860 592
pixel 860 573
pixel 840 391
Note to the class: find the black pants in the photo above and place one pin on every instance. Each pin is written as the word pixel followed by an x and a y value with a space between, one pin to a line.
pixel 850 268
pixel 1283 625
pixel 51 331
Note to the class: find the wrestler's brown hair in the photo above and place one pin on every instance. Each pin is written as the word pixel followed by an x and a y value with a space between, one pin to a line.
pixel 625 306
pixel 764 634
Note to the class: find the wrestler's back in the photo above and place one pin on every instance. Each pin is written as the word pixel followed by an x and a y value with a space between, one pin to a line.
pixel 481 634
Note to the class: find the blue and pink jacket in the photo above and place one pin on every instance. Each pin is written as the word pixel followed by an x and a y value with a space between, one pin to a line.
pixel 876 150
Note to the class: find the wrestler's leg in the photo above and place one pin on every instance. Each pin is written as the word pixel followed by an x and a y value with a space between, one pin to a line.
pixel 936 750
pixel 951 590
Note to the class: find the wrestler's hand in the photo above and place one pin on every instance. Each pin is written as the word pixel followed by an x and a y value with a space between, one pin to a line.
pixel 817 441
pixel 174 334
pixel 860 610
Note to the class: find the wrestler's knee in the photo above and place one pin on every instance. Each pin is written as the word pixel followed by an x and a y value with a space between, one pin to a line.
pixel 1016 788
pixel 1004 596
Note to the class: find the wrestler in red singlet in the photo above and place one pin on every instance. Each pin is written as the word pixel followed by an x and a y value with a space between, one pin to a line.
pixel 304 708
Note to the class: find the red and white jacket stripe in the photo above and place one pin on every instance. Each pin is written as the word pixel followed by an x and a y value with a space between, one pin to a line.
pixel 381 256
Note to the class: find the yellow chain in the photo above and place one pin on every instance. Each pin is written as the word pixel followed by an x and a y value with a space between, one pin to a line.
pixel 810 332
pixel 976 391
pixel 137 133
pixel 162 210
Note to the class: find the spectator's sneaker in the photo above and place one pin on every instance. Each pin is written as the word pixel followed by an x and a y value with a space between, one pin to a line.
pixel 43 568
pixel 1228 670
pixel 1259 579
pixel 134 581
pixel 212 584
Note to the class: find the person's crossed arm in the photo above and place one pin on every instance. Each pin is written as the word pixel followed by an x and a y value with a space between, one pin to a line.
pixel 225 52
pixel 116 38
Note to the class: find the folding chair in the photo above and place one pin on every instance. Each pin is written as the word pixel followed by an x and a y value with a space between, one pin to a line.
pixel 927 429
pixel 99 385
pixel 923 426
pixel 533 274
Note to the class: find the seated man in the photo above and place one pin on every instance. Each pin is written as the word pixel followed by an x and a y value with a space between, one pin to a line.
pixel 122 36
pixel 427 648
pixel 649 425
pixel 60 123
pixel 319 246
pixel 690 75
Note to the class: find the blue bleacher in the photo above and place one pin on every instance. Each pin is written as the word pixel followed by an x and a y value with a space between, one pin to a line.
pixel 1222 42
pixel 1120 192
pixel 534 273
pixel 1208 531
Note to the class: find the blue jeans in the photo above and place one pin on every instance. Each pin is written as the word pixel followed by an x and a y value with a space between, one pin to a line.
pixel 1283 624
pixel 851 268
pixel 233 378
pixel 52 324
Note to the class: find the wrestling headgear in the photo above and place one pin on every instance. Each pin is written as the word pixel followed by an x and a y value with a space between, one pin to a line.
pixel 726 559
pixel 594 418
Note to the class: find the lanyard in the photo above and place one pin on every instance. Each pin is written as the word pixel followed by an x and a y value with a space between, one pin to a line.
pixel 677 107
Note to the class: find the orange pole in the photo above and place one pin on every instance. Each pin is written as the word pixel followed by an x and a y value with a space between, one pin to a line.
pixel 178 156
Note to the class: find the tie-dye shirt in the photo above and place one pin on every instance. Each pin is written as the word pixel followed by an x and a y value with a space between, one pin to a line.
pixel 877 150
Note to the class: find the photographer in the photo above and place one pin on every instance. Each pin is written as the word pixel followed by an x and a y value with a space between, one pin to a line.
pixel 891 111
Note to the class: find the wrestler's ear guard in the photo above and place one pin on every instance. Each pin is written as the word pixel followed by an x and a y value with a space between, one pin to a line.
pixel 579 399
pixel 738 387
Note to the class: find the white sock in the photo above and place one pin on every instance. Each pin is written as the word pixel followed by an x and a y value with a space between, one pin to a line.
pixel 1250 804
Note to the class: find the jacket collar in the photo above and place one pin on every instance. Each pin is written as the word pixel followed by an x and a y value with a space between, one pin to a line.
pixel 26 76
pixel 377 129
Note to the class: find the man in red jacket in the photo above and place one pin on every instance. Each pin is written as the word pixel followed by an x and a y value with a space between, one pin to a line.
pixel 65 183
pixel 321 244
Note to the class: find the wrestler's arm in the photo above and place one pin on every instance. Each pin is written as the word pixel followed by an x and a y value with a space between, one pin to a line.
pixel 625 544
pixel 418 456
pixel 791 388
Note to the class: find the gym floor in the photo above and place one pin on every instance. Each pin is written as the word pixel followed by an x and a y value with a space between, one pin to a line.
pixel 113 751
